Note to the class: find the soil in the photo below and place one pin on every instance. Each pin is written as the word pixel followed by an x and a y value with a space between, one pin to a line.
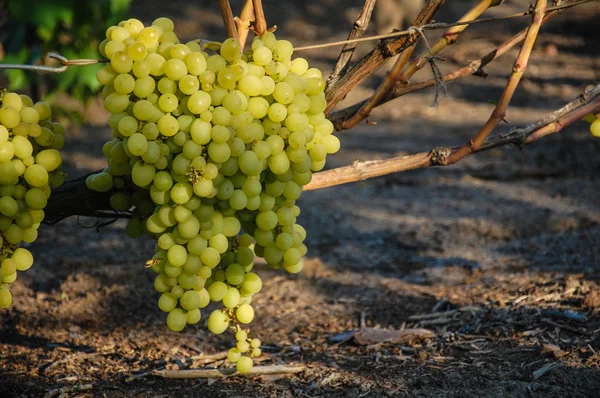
pixel 498 255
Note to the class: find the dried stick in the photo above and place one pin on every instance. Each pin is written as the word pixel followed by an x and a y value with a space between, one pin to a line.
pixel 448 38
pixel 337 118
pixel 398 76
pixel 586 103
pixel 382 90
pixel 228 19
pixel 220 373
pixel 244 22
pixel 376 58
pixel 436 25
pixel 518 70
pixel 260 25
pixel 359 28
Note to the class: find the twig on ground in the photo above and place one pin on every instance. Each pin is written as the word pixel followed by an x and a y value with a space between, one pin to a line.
pixel 69 389
pixel 220 373
pixel 359 28
pixel 196 359
pixel 519 68
pixel 545 369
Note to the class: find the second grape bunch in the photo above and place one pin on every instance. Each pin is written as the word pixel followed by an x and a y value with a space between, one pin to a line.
pixel 210 152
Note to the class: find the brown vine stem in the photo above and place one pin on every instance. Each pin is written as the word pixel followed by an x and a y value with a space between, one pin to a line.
pixel 260 25
pixel 376 58
pixel 448 38
pixel 228 20
pixel 389 81
pixel 436 25
pixel 400 75
pixel 220 373
pixel 476 66
pixel 74 199
pixel 244 21
pixel 519 68
pixel 359 28
pixel 586 103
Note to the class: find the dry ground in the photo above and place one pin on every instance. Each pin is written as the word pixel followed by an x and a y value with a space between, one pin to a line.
pixel 498 255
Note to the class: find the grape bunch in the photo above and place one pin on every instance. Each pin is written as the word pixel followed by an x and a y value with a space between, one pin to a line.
pixel 211 150
pixel 29 168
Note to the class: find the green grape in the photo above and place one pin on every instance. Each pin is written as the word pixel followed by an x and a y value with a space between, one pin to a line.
pixel 231 298
pixel 234 273
pixel 5 297
pixel 195 63
pixel 244 365
pixel 252 284
pixel 243 346
pixel 176 320
pixel 244 313
pixel 190 300
pixel 166 302
pixel 218 322
pixel 194 316
pixel 233 355
pixel 177 255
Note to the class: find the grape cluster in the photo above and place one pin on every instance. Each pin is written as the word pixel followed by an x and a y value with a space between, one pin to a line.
pixel 29 168
pixel 212 151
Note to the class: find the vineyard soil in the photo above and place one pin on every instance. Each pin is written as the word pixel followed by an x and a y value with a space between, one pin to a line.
pixel 498 255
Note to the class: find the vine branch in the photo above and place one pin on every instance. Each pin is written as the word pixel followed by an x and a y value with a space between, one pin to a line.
pixel 338 118
pixel 377 57
pixel 588 102
pixel 519 68
pixel 228 19
pixel 359 28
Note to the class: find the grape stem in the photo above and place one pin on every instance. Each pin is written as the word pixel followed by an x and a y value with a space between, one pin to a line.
pixel 518 71
pixel 244 21
pixel 220 373
pixel 228 20
pixel 588 102
pixel 358 29
pixel 260 24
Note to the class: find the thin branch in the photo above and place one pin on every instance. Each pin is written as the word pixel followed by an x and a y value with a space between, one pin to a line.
pixel 244 22
pixel 260 25
pixel 359 28
pixel 513 82
pixel 227 15
pixel 65 63
pixel 400 75
pixel 586 103
pixel 382 90
pixel 435 26
pixel 220 373
pixel 476 66
pixel 376 58
pixel 449 37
